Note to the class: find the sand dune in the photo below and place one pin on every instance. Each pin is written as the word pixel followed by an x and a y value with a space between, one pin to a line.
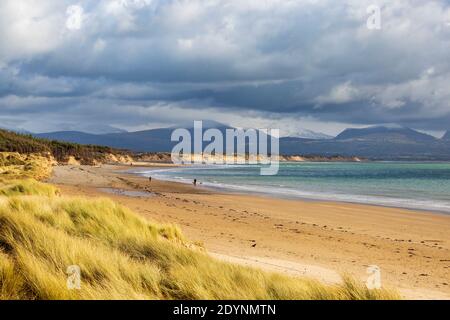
pixel 317 239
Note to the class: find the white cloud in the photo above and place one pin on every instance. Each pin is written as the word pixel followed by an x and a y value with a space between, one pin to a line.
pixel 28 28
pixel 342 93
pixel 99 45
pixel 75 17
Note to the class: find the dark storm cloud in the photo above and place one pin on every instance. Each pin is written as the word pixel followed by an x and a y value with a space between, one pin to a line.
pixel 123 62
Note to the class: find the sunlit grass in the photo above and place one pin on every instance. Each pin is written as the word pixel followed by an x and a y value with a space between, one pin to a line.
pixel 18 166
pixel 123 256
pixel 26 187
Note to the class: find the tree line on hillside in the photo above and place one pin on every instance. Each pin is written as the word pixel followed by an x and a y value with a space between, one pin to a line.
pixel 61 151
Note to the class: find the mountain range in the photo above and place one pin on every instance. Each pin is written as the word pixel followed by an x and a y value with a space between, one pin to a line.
pixel 309 134
pixel 378 143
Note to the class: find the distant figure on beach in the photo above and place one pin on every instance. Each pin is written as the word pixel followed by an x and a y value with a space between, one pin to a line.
pixel 150 179
pixel 195 182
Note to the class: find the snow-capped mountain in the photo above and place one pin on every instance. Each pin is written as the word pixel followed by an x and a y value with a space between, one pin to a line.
pixel 309 134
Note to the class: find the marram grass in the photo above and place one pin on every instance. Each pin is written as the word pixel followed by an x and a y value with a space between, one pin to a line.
pixel 18 166
pixel 123 256
pixel 26 187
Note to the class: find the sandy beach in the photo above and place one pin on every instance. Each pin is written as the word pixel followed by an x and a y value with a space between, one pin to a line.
pixel 303 238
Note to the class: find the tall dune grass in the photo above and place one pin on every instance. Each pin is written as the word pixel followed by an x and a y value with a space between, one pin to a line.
pixel 26 187
pixel 123 256
pixel 18 166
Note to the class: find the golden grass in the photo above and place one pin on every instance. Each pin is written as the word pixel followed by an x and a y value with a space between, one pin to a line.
pixel 123 256
pixel 26 187
pixel 18 166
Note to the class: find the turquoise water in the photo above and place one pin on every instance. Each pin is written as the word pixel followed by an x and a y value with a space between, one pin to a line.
pixel 398 184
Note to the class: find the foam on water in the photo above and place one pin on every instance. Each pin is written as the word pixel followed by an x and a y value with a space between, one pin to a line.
pixel 424 186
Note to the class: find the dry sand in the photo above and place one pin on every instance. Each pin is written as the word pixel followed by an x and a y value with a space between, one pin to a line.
pixel 304 238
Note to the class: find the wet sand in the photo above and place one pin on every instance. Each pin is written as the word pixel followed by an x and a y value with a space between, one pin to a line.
pixel 302 238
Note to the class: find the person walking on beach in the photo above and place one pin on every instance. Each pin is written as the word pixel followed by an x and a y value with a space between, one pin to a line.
pixel 150 179
pixel 195 182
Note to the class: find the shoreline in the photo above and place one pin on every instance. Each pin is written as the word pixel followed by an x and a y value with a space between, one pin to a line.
pixel 282 196
pixel 315 239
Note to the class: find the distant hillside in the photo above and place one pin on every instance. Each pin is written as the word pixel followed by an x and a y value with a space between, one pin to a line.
pixel 377 143
pixel 404 135
pixel 155 140
pixel 61 151
pixel 70 136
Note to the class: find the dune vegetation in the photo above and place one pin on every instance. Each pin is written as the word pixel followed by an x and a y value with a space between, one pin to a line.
pixel 18 166
pixel 61 151
pixel 123 256
pixel 120 255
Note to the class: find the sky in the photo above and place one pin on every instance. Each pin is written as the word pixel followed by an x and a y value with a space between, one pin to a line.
pixel 321 65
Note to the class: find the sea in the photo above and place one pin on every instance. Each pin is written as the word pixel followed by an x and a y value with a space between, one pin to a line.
pixel 412 185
